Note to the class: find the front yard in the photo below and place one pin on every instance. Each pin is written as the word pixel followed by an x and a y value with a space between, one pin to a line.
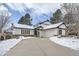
pixel 6 45
pixel 69 42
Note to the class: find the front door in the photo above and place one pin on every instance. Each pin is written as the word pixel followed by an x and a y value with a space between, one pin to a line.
pixel 60 32
pixel 35 32
pixel 38 34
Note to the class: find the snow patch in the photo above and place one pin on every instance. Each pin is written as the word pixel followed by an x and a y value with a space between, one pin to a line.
pixel 7 45
pixel 72 43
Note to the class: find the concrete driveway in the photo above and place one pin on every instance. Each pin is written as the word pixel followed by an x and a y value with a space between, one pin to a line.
pixel 40 47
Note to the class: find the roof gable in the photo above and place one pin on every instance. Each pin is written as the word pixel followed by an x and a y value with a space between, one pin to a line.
pixel 46 23
pixel 62 26
pixel 57 25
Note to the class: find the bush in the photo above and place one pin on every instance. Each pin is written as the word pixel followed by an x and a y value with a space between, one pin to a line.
pixel 8 37
pixel 73 34
pixel 2 38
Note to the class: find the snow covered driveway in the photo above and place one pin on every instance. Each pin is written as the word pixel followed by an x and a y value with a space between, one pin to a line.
pixel 6 45
pixel 40 47
pixel 67 42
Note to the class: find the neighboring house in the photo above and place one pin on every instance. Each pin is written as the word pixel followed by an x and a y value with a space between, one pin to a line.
pixel 22 30
pixel 52 30
pixel 9 32
pixel 2 34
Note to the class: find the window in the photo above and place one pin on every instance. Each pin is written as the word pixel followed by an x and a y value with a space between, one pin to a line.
pixel 22 31
pixel 28 31
pixel 25 31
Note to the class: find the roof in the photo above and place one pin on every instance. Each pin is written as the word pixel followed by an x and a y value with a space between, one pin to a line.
pixel 23 26
pixel 53 25
pixel 43 24
pixel 46 22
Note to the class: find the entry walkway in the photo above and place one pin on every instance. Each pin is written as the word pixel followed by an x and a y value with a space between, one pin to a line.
pixel 39 47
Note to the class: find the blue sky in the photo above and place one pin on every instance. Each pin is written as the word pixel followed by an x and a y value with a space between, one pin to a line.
pixel 38 11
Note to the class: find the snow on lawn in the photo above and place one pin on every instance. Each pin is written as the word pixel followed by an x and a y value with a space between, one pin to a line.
pixel 6 45
pixel 67 42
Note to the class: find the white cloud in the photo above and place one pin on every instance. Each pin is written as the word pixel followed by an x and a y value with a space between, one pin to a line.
pixel 47 7
pixel 38 11
pixel 17 7
pixel 44 8
pixel 4 10
pixel 37 8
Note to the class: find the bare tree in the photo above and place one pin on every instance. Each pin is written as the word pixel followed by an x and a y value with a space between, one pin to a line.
pixel 4 19
pixel 71 16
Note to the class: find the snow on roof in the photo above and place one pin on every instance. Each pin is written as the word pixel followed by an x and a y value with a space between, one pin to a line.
pixel 53 25
pixel 31 27
pixel 23 26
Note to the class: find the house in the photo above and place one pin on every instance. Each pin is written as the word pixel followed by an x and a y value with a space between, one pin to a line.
pixel 44 29
pixel 22 30
pixel 51 30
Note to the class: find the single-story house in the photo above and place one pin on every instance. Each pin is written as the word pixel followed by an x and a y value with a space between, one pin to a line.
pixel 44 29
pixel 22 30
pixel 51 30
